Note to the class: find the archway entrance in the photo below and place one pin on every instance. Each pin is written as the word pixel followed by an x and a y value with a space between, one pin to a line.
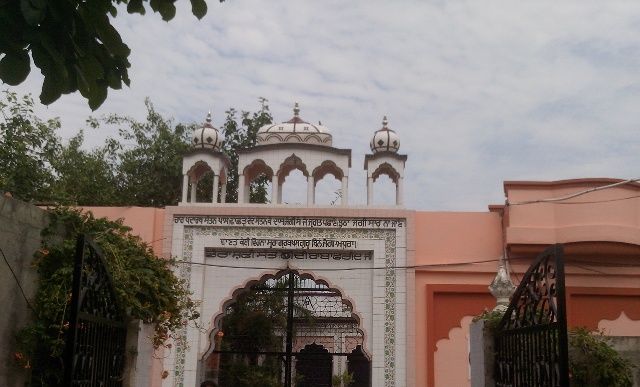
pixel 289 330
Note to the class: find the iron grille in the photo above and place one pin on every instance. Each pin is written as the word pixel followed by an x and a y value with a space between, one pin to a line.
pixel 287 331
pixel 531 342
pixel 95 347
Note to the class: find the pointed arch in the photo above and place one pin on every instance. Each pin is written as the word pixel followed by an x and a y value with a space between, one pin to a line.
pixel 310 279
pixel 386 169
pixel 289 164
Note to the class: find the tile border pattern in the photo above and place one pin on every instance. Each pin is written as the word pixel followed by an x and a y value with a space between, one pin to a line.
pixel 388 234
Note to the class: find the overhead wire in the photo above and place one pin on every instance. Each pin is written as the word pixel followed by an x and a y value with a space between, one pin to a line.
pixel 581 264
pixel 573 195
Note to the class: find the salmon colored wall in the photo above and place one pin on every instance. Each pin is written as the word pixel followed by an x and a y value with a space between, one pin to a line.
pixel 145 222
pixel 453 237
pixel 602 217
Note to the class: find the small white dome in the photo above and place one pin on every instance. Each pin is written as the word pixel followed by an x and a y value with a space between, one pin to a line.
pixel 296 130
pixel 385 139
pixel 207 137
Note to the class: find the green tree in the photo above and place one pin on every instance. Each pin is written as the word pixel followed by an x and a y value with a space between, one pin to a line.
pixel 72 42
pixel 241 135
pixel 84 177
pixel 27 147
pixel 147 157
pixel 141 166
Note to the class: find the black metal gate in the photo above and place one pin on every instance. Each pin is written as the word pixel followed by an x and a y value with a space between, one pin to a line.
pixel 287 331
pixel 531 341
pixel 95 346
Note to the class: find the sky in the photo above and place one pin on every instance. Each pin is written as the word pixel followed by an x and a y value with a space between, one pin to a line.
pixel 479 91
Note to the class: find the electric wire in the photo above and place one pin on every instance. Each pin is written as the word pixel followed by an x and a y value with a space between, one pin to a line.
pixel 580 263
pixel 573 195
pixel 15 277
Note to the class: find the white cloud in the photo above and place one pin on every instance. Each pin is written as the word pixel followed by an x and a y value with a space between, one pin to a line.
pixel 479 92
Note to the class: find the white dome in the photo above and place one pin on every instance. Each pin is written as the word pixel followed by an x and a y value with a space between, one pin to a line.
pixel 207 137
pixel 385 139
pixel 296 130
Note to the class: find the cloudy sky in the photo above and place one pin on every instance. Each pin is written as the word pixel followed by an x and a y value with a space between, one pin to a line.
pixel 479 91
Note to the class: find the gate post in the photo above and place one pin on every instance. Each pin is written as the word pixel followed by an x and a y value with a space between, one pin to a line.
pixel 481 354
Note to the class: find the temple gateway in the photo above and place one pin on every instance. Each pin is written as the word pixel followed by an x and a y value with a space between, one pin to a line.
pixel 365 295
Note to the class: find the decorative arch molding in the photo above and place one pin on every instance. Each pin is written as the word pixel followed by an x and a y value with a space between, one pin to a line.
pixel 233 294
pixel 275 136
pixel 199 168
pixel 621 326
pixel 587 306
pixel 386 169
pixel 289 164
pixel 453 350
pixel 313 139
pixel 293 138
pixel 325 168
pixel 255 169
pixel 447 305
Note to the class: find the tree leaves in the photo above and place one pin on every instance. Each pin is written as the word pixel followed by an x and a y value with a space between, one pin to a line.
pixel 73 43
pixel 14 67
pixel 199 8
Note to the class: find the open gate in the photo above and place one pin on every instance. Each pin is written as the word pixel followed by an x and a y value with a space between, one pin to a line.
pixel 287 331
pixel 531 340
pixel 95 346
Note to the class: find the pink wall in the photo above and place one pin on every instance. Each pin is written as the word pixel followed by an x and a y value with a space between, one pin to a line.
pixel 449 287
pixel 145 222
pixel 601 217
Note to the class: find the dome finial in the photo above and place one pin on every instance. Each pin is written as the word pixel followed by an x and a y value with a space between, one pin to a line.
pixel 385 122
pixel 296 110
pixel 209 117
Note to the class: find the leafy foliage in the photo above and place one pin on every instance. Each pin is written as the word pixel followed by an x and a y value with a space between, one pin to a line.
pixel 144 284
pixel 240 135
pixel 27 147
pixel 149 173
pixel 73 43
pixel 141 166
pixel 84 177
pixel 593 362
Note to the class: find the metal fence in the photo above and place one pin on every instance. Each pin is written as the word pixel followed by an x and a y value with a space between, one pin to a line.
pixel 531 342
pixel 95 347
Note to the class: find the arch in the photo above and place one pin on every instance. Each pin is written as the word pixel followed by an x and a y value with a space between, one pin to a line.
pixel 289 164
pixel 313 139
pixel 293 138
pixel 620 326
pixel 255 169
pixel 236 292
pixel 198 169
pixel 451 352
pixel 327 167
pixel 386 169
pixel 271 135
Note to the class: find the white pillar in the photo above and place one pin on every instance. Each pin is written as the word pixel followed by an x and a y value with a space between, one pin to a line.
pixel 279 193
pixel 369 191
pixel 185 187
pixel 345 190
pixel 194 188
pixel 223 192
pixel 311 187
pixel 241 189
pixel 247 192
pixel 214 197
pixel 274 189
pixel 399 192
